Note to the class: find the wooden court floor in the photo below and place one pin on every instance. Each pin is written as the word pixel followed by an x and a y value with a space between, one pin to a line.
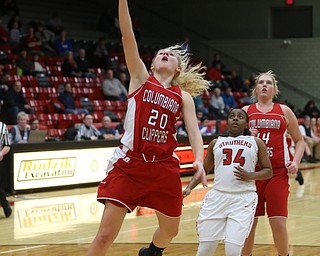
pixel 63 223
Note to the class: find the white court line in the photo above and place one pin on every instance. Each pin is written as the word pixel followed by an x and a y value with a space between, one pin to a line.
pixel 121 232
pixel 23 249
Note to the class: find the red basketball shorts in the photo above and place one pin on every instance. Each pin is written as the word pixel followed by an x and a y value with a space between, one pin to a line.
pixel 273 194
pixel 132 182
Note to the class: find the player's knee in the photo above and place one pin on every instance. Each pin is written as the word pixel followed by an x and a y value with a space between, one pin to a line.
pixel 104 239
pixel 173 232
pixel 169 232
pixel 278 225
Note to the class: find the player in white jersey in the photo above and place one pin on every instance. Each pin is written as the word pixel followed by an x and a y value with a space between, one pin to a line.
pixel 227 210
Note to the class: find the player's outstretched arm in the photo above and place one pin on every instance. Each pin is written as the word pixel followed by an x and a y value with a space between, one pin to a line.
pixel 137 69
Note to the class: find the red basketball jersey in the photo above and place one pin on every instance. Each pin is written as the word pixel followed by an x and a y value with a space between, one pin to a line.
pixel 151 117
pixel 272 128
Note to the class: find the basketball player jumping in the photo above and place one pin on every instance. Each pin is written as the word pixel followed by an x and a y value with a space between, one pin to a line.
pixel 144 171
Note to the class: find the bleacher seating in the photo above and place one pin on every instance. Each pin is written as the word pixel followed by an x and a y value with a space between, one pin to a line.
pixel 44 99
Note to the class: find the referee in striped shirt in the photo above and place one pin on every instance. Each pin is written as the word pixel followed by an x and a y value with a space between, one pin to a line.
pixel 4 149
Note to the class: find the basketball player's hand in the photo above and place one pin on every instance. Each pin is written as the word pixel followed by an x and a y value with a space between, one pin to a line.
pixel 200 174
pixel 292 167
pixel 254 132
pixel 186 192
pixel 241 174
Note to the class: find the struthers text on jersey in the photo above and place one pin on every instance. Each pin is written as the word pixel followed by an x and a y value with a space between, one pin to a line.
pixel 235 142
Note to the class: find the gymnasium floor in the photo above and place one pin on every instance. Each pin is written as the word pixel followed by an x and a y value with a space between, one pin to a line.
pixel 65 222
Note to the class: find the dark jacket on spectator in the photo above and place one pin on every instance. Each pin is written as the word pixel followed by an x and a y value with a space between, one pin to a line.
pixel 15 99
pixel 67 100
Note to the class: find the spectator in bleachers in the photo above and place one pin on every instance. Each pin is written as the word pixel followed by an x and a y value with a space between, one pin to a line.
pixel 214 73
pixel 295 110
pixel 198 102
pixel 316 128
pixel 228 98
pixel 47 38
pixel 236 82
pixel 307 157
pixel 32 43
pixel 217 60
pixel 19 133
pixel 122 68
pixel 14 34
pixel 15 102
pixel 124 80
pixel 87 131
pixel 14 18
pixel 63 44
pixel 216 105
pixel 310 138
pixel 181 130
pixel 83 64
pixel 24 65
pixel 313 125
pixel 307 153
pixel 106 130
pixel 4 34
pixel 250 82
pixel 101 54
pixel 37 66
pixel 34 124
pixel 311 109
pixel 4 85
pixel 3 89
pixel 68 102
pixel 120 127
pixel 54 23
pixel 248 99
pixel 69 66
pixel 200 115
pixel 204 128
pixel 112 88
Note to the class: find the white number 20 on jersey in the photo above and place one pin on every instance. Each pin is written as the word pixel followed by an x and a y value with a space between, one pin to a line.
pixel 153 119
